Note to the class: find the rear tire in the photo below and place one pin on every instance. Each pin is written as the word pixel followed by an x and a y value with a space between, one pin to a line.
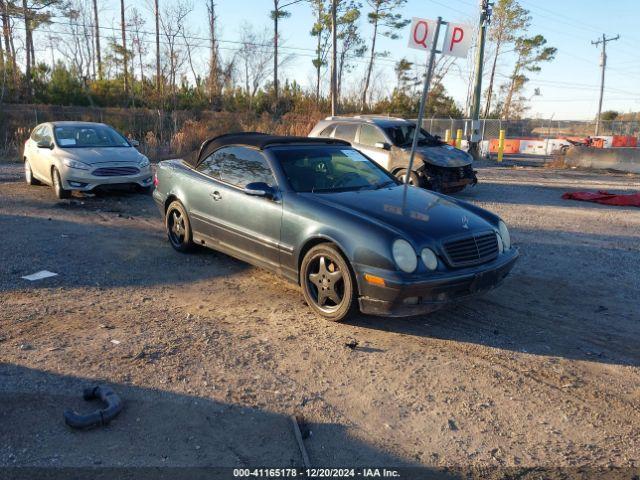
pixel 414 179
pixel 60 192
pixel 28 174
pixel 327 283
pixel 178 227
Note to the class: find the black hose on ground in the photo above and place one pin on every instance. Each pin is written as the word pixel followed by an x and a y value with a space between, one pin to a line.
pixel 98 417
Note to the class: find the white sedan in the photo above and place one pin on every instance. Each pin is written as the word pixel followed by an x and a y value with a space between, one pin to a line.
pixel 83 156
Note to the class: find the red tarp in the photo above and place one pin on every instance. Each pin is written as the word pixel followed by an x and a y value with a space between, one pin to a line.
pixel 606 198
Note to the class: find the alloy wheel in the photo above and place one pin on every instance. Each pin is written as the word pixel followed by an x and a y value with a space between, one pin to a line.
pixel 325 281
pixel 177 228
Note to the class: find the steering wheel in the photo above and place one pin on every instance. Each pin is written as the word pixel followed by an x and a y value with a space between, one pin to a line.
pixel 345 179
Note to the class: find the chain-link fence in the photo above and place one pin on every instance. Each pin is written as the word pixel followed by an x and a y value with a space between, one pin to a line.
pixel 530 128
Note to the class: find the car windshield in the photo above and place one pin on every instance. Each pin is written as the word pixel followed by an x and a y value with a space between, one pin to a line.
pixel 402 135
pixel 330 169
pixel 87 136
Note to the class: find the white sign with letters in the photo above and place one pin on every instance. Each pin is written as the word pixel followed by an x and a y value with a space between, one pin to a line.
pixel 457 41
pixel 422 33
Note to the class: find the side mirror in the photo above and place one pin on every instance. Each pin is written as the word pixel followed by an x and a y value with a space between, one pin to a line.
pixel 383 145
pixel 259 189
pixel 45 144
pixel 134 143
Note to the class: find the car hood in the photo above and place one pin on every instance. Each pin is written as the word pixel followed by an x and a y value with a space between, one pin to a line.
pixel 419 215
pixel 96 156
pixel 444 156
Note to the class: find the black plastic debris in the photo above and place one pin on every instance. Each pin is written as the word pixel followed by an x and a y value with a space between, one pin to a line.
pixel 98 417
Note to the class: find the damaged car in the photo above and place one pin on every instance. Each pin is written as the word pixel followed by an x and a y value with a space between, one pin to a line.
pixel 437 165
pixel 321 214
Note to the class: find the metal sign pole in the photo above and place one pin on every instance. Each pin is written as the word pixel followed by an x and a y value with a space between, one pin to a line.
pixel 423 100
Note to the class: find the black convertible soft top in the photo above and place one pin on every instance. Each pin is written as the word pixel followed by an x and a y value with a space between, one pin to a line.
pixel 256 140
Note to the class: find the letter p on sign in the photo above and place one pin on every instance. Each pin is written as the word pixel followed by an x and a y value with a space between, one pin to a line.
pixel 457 41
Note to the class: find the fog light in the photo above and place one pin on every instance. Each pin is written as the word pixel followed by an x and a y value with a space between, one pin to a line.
pixel 76 184
pixel 411 301
pixel 147 180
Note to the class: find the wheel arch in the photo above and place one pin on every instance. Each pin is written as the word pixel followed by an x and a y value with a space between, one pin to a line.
pixel 318 240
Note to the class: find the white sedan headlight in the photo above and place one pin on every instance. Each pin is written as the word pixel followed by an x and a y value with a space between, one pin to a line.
pixel 404 255
pixel 144 162
pixel 504 234
pixel 429 258
pixel 75 164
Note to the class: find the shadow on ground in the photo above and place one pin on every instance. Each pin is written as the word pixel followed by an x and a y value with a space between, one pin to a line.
pixel 158 429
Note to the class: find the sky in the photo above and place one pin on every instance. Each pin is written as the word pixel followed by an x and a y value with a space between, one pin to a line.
pixel 569 85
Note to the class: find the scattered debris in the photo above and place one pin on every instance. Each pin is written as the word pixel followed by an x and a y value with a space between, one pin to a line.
pixel 298 435
pixel 108 327
pixel 97 417
pixel 54 349
pixel 452 425
pixel 39 275
pixel 115 342
pixel 352 344
pixel 26 346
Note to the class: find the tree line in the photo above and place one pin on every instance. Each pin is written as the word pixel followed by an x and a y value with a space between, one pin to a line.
pixel 156 65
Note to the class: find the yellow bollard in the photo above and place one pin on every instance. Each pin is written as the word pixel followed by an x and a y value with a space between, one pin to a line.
pixel 459 138
pixel 447 136
pixel 501 145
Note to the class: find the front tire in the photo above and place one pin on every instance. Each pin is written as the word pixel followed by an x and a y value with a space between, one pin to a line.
pixel 414 179
pixel 60 192
pixel 28 174
pixel 327 283
pixel 178 227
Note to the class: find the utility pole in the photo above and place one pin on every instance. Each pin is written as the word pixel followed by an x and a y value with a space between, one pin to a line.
pixel 485 17
pixel 96 21
pixel 334 59
pixel 603 63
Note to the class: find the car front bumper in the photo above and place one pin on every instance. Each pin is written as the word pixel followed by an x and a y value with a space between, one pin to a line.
pixel 405 297
pixel 84 180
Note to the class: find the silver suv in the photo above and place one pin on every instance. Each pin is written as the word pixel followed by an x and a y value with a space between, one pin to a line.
pixel 387 140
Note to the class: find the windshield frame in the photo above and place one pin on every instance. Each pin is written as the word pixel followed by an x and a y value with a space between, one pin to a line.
pixel 108 127
pixel 283 179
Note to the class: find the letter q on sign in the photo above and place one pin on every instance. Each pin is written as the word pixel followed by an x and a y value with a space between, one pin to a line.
pixel 457 41
pixel 422 33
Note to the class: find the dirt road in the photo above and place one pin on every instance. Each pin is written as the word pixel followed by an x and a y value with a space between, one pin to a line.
pixel 213 356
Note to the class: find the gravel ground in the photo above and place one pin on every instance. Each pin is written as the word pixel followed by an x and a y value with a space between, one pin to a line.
pixel 213 356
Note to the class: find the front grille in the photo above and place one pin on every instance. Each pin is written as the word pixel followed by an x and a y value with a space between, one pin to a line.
pixel 115 171
pixel 471 250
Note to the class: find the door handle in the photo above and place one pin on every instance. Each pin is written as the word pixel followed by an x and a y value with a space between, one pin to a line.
pixel 215 195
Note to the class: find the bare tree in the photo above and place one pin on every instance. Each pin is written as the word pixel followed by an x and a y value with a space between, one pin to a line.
pixel 173 25
pixel 255 58
pixel 385 22
pixel 156 12
pixel 138 47
pixel 123 28
pixel 96 26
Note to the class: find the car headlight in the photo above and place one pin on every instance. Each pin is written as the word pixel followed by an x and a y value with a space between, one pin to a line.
pixel 404 255
pixel 504 234
pixel 429 258
pixel 75 164
pixel 144 162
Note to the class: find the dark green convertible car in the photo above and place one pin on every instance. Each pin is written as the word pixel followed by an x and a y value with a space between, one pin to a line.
pixel 325 216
